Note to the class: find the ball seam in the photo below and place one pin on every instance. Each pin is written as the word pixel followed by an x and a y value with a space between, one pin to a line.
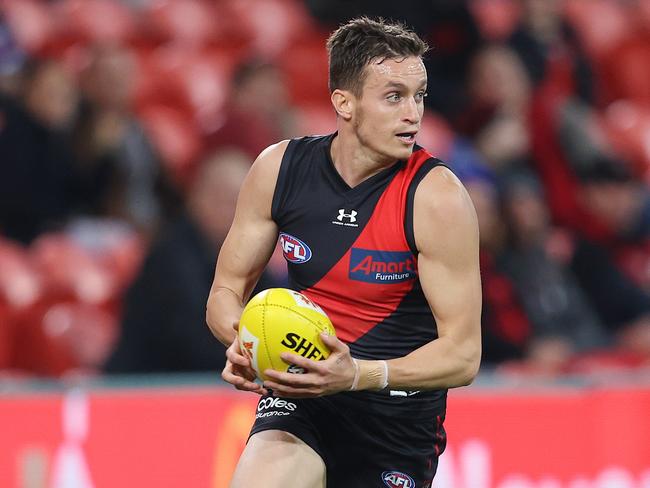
pixel 266 342
pixel 291 310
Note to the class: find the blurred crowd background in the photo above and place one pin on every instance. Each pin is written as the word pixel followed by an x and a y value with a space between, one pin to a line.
pixel 127 126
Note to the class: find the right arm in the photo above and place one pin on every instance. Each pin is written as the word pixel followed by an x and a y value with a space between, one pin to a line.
pixel 245 251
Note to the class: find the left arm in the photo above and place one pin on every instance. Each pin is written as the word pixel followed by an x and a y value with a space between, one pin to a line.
pixel 446 234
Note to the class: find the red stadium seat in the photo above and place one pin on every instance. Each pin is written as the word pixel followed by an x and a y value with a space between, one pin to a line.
pixel 627 126
pixel 69 271
pixel 151 86
pixel 203 76
pixel 316 119
pixel 20 282
pixel 496 19
pixel 53 339
pixel 626 70
pixel 272 25
pixel 176 138
pixel 189 81
pixel 114 246
pixel 31 22
pixel 6 336
pixel 123 258
pixel 600 23
pixel 96 20
pixel 643 13
pixel 193 22
pixel 305 66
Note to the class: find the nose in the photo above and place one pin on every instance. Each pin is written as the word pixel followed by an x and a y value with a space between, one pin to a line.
pixel 411 111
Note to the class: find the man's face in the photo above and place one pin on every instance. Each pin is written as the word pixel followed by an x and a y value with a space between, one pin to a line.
pixel 388 112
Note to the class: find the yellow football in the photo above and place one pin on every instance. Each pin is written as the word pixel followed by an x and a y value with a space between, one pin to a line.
pixel 279 320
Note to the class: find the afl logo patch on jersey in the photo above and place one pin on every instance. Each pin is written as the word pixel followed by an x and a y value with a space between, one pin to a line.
pixel 382 266
pixel 294 250
pixel 395 479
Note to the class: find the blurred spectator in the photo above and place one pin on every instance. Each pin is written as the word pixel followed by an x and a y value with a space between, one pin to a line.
pixel 120 175
pixel 12 59
pixel 620 202
pixel 36 176
pixel 537 261
pixel 258 114
pixel 623 205
pixel 611 206
pixel 454 38
pixel 623 307
pixel 163 327
pixel 505 327
pixel 498 102
pixel 550 50
pixel 569 149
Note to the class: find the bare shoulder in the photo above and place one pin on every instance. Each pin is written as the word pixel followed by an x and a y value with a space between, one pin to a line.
pixel 256 193
pixel 443 210
pixel 267 165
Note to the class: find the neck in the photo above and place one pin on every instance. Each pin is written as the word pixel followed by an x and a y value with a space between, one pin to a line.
pixel 354 162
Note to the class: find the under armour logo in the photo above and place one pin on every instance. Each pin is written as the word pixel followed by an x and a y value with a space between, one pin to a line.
pixel 352 216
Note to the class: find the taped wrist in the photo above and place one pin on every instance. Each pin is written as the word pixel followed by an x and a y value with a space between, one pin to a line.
pixel 370 375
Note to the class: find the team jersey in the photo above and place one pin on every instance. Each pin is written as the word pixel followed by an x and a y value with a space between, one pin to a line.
pixel 352 250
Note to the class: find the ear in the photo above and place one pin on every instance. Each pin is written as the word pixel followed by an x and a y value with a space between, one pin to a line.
pixel 343 102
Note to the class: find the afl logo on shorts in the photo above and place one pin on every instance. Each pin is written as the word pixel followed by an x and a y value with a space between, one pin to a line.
pixel 295 251
pixel 395 479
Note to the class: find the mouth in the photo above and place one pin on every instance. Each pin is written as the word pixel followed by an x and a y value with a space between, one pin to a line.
pixel 407 137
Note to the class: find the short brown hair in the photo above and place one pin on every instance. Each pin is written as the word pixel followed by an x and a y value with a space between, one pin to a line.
pixel 355 44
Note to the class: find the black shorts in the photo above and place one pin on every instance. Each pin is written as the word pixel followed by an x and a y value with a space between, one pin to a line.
pixel 364 443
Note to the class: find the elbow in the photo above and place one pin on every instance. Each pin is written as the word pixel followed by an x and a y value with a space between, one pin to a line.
pixel 211 322
pixel 210 325
pixel 208 314
pixel 208 319
pixel 470 369
pixel 220 317
pixel 469 375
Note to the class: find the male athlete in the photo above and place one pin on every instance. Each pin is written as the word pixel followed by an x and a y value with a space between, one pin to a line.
pixel 384 238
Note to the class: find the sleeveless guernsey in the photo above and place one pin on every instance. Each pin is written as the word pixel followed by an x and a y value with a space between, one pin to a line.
pixel 352 251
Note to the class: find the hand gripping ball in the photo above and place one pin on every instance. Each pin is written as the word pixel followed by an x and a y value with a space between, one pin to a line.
pixel 279 320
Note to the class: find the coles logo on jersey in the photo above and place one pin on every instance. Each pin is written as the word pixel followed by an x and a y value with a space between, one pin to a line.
pixel 295 251
pixel 395 479
pixel 382 266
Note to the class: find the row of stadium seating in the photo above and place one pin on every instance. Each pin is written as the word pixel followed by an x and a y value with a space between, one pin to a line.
pixel 59 302
pixel 186 51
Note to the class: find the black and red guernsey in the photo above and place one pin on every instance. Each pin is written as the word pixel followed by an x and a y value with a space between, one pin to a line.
pixel 352 250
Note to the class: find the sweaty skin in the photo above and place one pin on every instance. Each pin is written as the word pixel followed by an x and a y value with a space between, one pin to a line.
pixel 413 68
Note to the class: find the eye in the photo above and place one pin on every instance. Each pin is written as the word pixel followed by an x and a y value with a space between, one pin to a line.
pixel 394 97
pixel 421 95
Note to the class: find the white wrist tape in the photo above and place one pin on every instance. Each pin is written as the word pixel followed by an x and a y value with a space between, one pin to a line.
pixel 355 381
pixel 384 378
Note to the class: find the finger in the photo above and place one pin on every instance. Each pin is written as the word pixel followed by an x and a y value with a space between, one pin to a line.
pixel 333 343
pixel 291 392
pixel 242 383
pixel 236 357
pixel 306 364
pixel 235 376
pixel 247 373
pixel 241 364
pixel 292 379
